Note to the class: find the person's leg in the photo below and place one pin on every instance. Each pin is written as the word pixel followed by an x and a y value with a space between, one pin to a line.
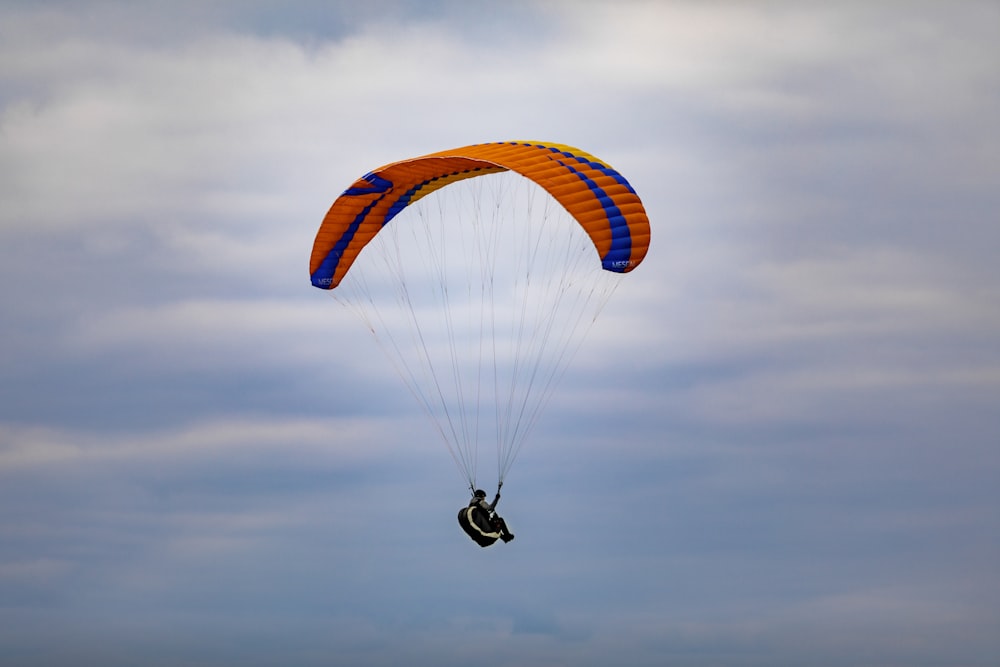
pixel 501 527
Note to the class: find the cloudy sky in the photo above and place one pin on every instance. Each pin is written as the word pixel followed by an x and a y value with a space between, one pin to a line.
pixel 778 445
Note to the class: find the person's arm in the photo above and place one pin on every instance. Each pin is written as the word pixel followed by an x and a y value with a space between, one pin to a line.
pixel 497 499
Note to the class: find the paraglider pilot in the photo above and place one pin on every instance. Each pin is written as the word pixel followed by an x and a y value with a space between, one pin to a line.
pixel 481 522
pixel 479 500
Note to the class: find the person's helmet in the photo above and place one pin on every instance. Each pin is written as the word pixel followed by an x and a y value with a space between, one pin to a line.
pixel 479 493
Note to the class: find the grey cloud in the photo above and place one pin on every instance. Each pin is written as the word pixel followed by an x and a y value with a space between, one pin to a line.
pixel 777 442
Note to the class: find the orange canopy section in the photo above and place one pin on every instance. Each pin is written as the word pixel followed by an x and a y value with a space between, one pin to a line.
pixel 596 195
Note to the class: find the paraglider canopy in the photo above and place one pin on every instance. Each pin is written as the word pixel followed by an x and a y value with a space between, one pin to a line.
pixel 600 199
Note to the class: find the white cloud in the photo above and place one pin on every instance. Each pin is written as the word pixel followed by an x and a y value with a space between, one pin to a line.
pixel 328 442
